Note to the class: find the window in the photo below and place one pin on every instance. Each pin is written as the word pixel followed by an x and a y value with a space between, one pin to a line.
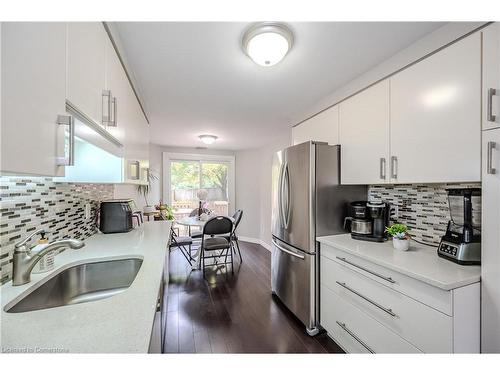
pixel 195 178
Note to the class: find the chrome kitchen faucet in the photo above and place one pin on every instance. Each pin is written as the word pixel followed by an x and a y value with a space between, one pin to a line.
pixel 23 261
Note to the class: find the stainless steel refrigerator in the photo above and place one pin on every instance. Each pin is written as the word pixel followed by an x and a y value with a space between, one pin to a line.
pixel 308 201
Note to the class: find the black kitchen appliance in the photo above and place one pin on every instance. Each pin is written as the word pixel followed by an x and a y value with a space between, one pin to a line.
pixel 116 216
pixel 462 240
pixel 368 220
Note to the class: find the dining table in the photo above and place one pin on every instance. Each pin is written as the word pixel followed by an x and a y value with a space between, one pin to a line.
pixel 196 221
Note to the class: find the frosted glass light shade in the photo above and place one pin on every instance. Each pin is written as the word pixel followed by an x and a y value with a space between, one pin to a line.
pixel 267 43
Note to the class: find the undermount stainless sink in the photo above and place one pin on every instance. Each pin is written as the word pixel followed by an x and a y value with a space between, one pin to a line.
pixel 78 284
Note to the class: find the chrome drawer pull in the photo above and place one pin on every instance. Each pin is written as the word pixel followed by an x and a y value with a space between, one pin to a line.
pixel 390 279
pixel 385 309
pixel 355 337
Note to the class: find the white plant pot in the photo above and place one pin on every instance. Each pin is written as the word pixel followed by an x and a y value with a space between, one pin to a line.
pixel 148 209
pixel 401 244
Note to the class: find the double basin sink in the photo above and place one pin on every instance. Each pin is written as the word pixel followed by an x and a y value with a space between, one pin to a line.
pixel 82 283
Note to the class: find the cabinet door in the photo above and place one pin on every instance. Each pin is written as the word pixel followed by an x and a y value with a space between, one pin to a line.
pixel 491 76
pixel 33 95
pixel 490 247
pixel 364 136
pixel 131 129
pixel 323 127
pixel 435 117
pixel 86 67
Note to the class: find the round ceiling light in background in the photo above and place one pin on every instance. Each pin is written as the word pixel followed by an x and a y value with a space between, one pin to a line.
pixel 267 43
pixel 207 139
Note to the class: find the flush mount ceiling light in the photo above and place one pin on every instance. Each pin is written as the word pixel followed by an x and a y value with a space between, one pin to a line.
pixel 267 43
pixel 207 139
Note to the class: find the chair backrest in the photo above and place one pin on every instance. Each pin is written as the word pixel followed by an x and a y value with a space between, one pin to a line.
pixel 237 218
pixel 218 225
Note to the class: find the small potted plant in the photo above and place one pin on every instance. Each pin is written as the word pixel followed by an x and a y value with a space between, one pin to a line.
pixel 144 190
pixel 400 236
pixel 166 211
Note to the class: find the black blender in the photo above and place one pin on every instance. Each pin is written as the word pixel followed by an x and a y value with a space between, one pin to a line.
pixel 462 241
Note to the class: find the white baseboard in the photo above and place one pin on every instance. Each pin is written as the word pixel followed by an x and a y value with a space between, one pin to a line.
pixel 255 240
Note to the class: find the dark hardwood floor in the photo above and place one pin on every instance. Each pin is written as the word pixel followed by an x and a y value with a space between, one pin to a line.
pixel 227 313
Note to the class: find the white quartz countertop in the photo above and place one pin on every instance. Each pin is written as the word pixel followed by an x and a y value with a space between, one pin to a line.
pixel 119 324
pixel 420 262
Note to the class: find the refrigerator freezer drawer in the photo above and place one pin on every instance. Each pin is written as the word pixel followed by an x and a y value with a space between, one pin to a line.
pixel 293 280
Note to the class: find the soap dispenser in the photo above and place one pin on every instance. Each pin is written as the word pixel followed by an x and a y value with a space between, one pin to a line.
pixel 47 262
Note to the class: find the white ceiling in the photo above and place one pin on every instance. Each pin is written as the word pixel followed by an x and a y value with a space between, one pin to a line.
pixel 195 79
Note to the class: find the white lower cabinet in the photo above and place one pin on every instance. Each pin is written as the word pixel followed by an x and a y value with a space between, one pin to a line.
pixel 355 331
pixel 363 314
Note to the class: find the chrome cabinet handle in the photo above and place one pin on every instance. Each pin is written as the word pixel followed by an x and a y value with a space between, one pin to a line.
pixel 355 337
pixel 490 115
pixel 382 168
pixel 489 160
pixel 69 160
pixel 106 107
pixel 386 278
pixel 384 309
pixel 287 251
pixel 112 112
pixel 114 103
pixel 394 167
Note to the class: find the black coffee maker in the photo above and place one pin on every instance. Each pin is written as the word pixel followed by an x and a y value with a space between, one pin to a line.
pixel 368 220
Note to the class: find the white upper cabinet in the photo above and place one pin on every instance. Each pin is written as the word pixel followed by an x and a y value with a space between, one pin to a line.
pixel 491 76
pixel 323 127
pixel 86 67
pixel 33 95
pixel 490 243
pixel 364 136
pixel 129 124
pixel 435 117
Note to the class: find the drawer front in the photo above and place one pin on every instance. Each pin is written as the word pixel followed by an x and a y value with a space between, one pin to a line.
pixel 436 298
pixel 355 331
pixel 429 330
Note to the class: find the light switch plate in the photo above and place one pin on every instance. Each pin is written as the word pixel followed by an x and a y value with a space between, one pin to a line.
pixel 87 211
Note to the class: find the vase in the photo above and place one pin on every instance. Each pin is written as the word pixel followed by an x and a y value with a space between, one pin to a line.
pixel 401 244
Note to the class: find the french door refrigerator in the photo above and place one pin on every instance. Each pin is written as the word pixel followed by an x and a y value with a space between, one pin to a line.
pixel 308 201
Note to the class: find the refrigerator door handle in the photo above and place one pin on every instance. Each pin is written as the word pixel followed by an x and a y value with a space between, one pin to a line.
pixel 286 180
pixel 280 195
pixel 287 251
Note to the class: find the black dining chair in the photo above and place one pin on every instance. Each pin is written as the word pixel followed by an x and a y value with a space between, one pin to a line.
pixel 214 243
pixel 196 233
pixel 233 238
pixel 183 243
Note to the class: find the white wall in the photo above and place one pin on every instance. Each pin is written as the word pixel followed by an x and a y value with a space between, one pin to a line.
pixel 247 169
pixel 253 189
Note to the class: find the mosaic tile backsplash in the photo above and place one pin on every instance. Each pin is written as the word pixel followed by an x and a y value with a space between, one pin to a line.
pixel 30 203
pixel 423 208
